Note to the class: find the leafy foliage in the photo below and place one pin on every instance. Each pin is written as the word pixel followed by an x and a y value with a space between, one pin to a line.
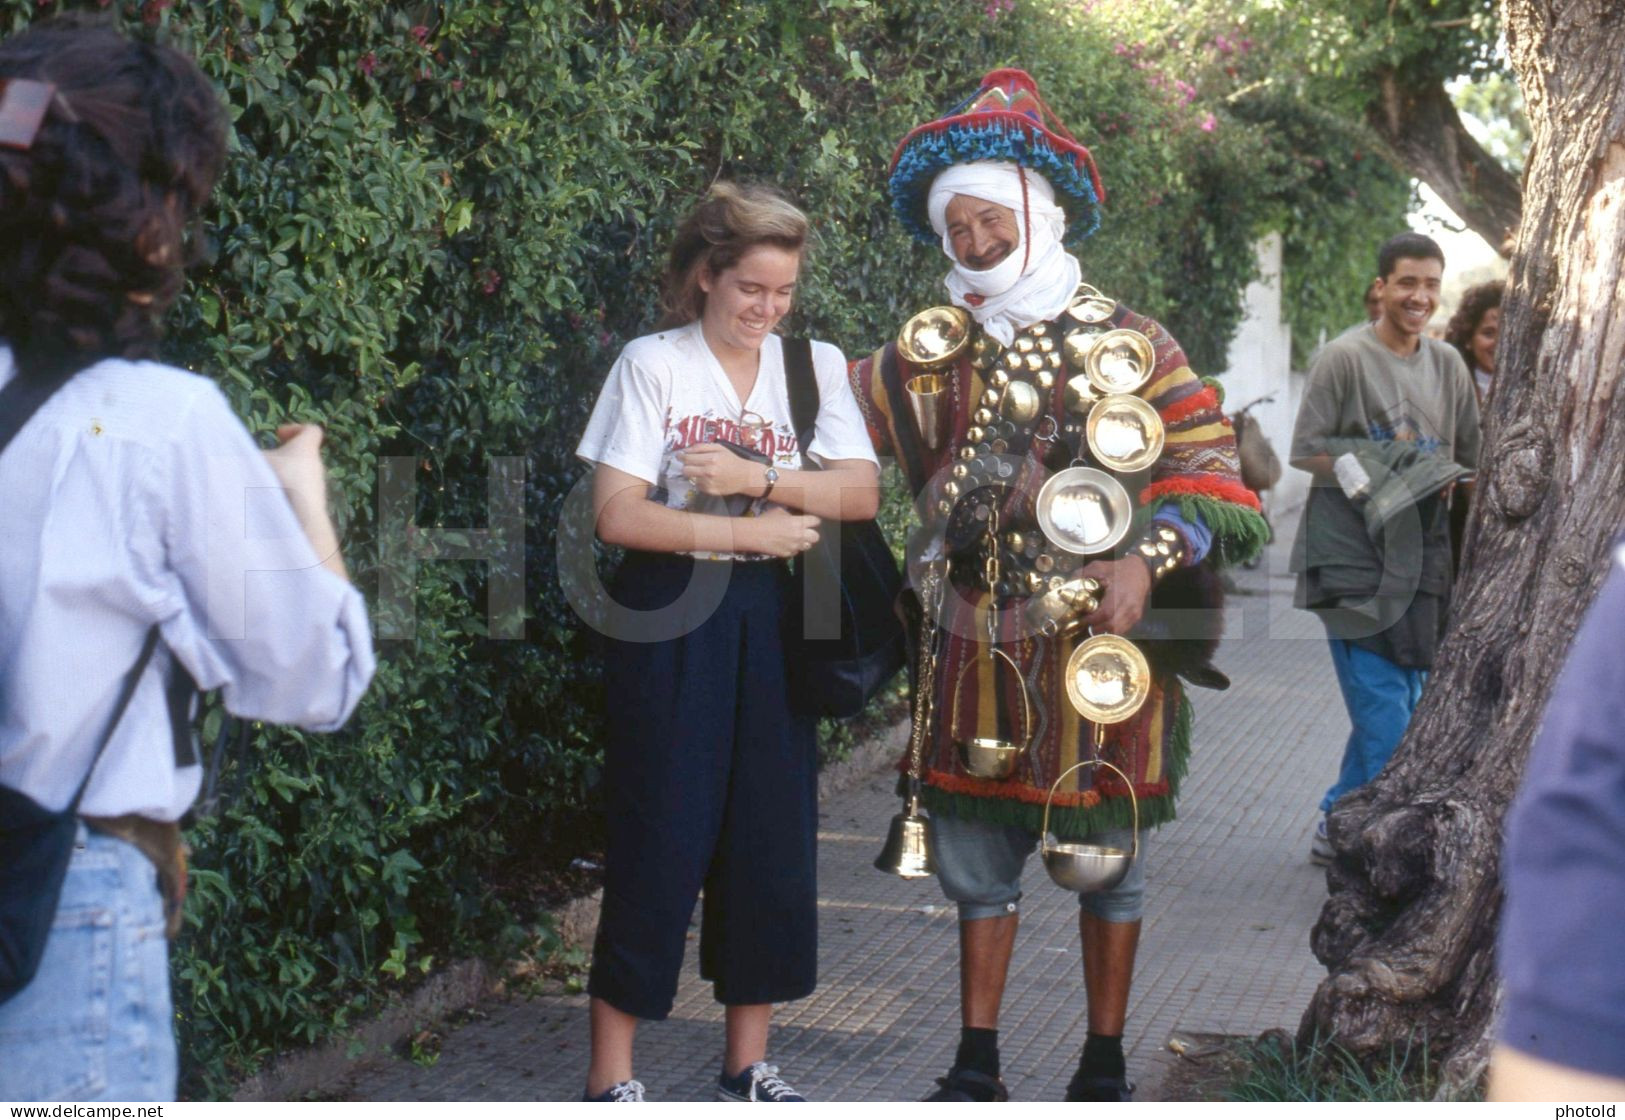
pixel 438 225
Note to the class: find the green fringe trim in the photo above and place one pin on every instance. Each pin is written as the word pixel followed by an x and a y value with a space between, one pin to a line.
pixel 1239 533
pixel 1076 823
pixel 1213 383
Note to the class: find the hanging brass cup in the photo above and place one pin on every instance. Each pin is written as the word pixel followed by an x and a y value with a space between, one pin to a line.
pixel 1084 510
pixel 932 340
pixel 935 337
pixel 1125 434
pixel 930 403
pixel 1120 361
pixel 990 757
pixel 1107 678
pixel 1087 868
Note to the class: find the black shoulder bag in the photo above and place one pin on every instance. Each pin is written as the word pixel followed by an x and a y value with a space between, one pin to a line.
pixel 845 640
pixel 36 844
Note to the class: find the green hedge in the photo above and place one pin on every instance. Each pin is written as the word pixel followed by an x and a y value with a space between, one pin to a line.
pixel 438 224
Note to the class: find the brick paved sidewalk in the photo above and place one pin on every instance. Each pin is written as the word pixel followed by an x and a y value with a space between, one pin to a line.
pixel 1225 947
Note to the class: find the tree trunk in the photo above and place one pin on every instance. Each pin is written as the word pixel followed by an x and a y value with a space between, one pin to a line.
pixel 1422 128
pixel 1408 932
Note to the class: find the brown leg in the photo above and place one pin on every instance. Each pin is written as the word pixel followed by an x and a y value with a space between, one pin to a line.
pixel 1108 970
pixel 984 960
pixel 612 1035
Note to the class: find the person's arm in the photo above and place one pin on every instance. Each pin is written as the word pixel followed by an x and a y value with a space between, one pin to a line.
pixel 297 463
pixel 1518 1077
pixel 845 490
pixel 627 517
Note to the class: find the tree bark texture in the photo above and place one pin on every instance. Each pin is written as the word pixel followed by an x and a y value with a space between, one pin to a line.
pixel 1422 128
pixel 1408 931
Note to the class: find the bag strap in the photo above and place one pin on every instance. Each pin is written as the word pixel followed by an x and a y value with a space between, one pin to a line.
pixel 22 397
pixel 803 386
pixel 126 691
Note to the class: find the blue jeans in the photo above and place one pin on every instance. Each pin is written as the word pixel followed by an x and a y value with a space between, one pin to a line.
pixel 1380 697
pixel 95 1023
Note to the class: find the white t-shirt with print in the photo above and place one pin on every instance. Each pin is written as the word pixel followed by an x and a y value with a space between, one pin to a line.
pixel 667 392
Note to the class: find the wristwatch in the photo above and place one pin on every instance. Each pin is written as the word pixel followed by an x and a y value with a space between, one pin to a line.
pixel 772 476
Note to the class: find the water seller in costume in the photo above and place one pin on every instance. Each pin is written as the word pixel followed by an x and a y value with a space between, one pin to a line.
pixel 1076 482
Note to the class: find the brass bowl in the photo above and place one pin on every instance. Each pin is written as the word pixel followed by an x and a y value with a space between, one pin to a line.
pixel 992 759
pixel 1107 678
pixel 1084 510
pixel 1125 434
pixel 936 336
pixel 1086 868
pixel 1120 361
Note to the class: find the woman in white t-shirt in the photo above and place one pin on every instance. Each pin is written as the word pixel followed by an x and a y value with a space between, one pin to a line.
pixel 710 774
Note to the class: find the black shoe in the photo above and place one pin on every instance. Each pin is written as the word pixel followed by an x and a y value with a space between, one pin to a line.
pixel 1082 1088
pixel 968 1085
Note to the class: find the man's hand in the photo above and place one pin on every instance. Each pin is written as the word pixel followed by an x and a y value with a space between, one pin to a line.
pixel 719 472
pixel 1127 584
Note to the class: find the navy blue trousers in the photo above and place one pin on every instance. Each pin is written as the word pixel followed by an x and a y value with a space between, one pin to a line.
pixel 711 782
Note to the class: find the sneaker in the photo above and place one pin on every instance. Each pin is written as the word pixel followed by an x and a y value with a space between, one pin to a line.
pixel 969 1085
pixel 758 1082
pixel 619 1093
pixel 1082 1088
pixel 1320 848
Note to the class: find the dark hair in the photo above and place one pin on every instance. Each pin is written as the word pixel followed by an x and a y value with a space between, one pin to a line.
pixel 1475 301
pixel 733 219
pixel 1410 246
pixel 93 214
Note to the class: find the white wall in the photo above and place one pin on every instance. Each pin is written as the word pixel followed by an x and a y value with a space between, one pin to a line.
pixel 1259 364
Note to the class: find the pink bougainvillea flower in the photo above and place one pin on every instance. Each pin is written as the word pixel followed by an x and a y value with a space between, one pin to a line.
pixel 367 64
pixel 1209 123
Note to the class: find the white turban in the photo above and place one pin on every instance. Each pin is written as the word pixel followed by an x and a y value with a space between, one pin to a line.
pixel 1035 282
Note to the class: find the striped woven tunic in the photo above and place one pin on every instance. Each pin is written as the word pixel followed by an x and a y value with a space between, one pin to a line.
pixel 1198 474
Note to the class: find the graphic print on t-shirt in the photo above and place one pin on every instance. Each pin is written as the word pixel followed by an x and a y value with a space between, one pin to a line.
pixel 1405 422
pixel 777 442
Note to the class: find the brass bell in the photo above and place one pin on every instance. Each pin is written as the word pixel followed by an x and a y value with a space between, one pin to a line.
pixel 945 507
pixel 951 489
pixel 960 470
pixel 1012 359
pixel 998 378
pixel 991 397
pixel 1035 362
pixel 1038 330
pixel 973 435
pixel 1024 344
pixel 1046 344
pixel 907 852
pixel 1016 541
pixel 1045 380
pixel 983 416
pixel 967 453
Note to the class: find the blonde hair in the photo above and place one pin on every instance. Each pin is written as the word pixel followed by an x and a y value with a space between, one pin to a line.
pixel 733 219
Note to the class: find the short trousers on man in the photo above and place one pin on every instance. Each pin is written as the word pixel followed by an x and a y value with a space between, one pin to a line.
pixel 979 864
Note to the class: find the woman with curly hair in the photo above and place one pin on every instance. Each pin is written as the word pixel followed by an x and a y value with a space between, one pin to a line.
pixel 1473 330
pixel 135 505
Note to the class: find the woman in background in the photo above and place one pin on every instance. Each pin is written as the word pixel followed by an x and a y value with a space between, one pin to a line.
pixel 1473 331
